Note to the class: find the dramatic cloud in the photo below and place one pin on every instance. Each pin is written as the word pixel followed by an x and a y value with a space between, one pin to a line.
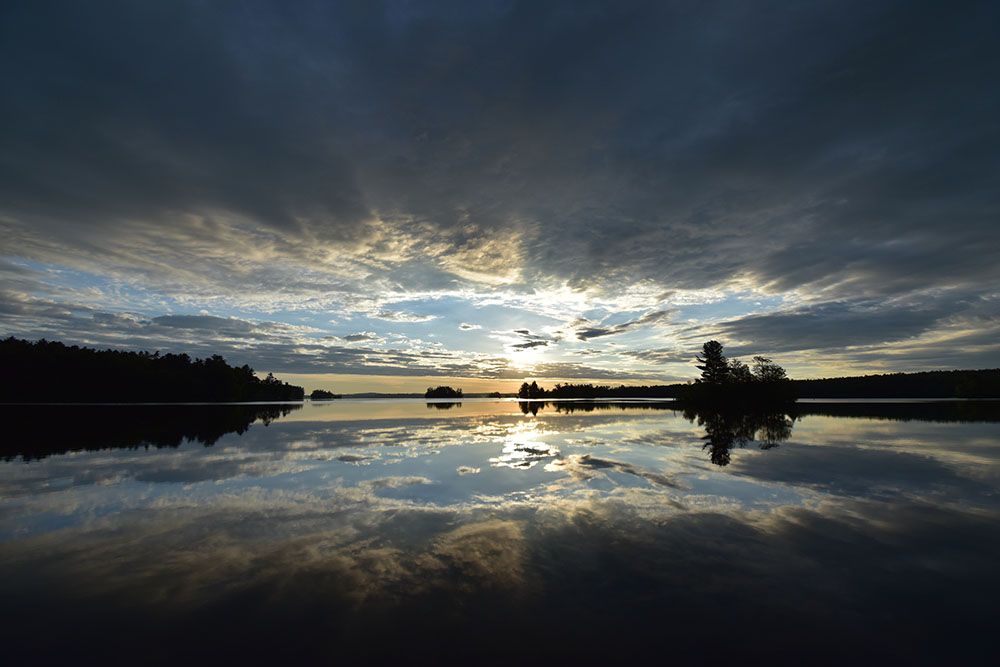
pixel 792 178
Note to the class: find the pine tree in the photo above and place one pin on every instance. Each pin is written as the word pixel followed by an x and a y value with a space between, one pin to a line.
pixel 712 364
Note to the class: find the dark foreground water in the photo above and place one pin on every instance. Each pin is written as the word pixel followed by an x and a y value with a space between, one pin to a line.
pixel 493 532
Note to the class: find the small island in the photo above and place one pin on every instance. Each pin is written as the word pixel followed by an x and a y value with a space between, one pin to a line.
pixel 442 392
pixel 733 383
pixel 322 395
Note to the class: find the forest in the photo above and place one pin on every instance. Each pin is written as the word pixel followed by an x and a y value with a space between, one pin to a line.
pixel 52 372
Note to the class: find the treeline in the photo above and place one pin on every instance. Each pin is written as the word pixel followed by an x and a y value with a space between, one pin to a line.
pixel 930 384
pixel 47 371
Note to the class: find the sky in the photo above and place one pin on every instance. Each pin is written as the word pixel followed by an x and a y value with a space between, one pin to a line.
pixel 379 196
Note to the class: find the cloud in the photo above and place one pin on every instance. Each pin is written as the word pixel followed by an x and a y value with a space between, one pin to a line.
pixel 333 172
pixel 530 344
pixel 345 158
pixel 363 335
pixel 396 316
pixel 588 332
pixel 465 326
pixel 850 323
pixel 524 339
pixel 202 322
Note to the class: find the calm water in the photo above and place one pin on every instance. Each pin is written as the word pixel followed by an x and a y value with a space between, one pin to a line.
pixel 492 531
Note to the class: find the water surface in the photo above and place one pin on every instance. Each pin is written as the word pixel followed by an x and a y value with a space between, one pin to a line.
pixel 491 531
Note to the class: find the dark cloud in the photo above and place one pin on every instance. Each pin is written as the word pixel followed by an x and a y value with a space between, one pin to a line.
pixel 364 335
pixel 854 323
pixel 854 143
pixel 204 322
pixel 524 339
pixel 530 344
pixel 588 332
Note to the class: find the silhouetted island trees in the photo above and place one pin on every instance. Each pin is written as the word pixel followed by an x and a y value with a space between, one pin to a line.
pixel 735 383
pixel 322 395
pixel 533 391
pixel 722 380
pixel 45 371
pixel 442 392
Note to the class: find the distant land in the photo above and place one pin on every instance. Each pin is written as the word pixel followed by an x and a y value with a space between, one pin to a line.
pixel 46 371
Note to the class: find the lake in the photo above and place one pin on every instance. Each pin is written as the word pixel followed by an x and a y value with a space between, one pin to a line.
pixel 491 531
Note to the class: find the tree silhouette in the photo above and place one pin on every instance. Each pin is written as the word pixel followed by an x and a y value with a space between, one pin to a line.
pixel 765 370
pixel 531 390
pixel 712 364
pixel 739 372
pixel 726 429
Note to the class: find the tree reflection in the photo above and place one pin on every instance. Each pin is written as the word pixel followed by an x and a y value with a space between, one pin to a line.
pixel 725 430
pixel 532 407
pixel 737 427
pixel 38 431
pixel 569 407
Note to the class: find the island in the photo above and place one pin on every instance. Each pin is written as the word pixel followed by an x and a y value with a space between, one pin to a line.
pixel 442 392
pixel 722 382
pixel 322 395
